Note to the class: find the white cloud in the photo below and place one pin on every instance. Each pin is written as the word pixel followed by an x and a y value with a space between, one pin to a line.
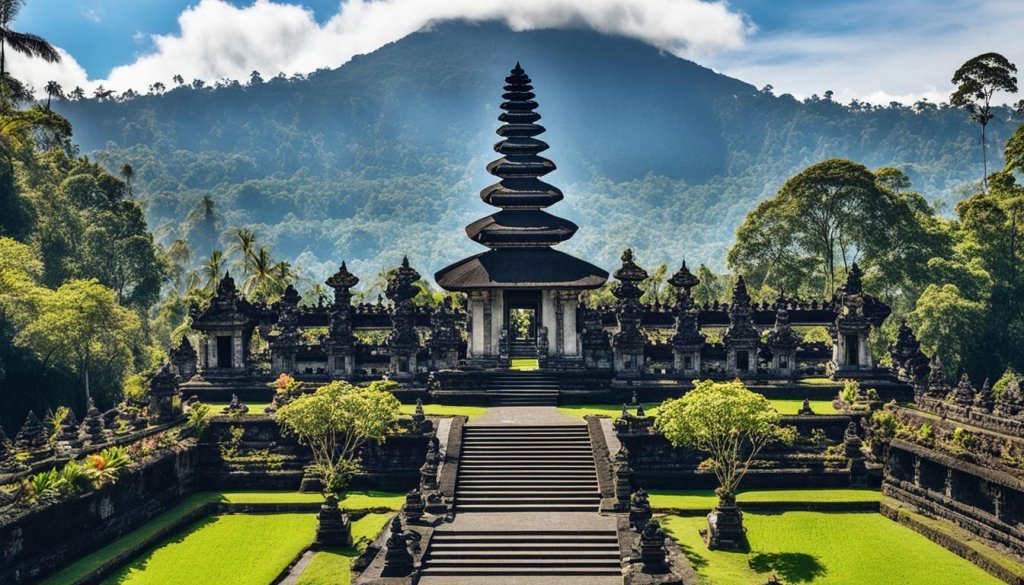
pixel 36 72
pixel 92 15
pixel 879 50
pixel 873 50
pixel 217 39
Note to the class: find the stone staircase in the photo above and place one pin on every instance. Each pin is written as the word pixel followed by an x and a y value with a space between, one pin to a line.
pixel 522 348
pixel 522 389
pixel 538 486
pixel 506 468
pixel 545 554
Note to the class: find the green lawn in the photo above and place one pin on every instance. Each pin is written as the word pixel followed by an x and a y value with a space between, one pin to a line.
pixel 351 500
pixel 820 548
pixel 234 548
pixel 256 408
pixel 266 497
pixel 525 364
pixel 84 566
pixel 791 406
pixel 371 500
pixel 651 408
pixel 446 410
pixel 706 499
pixel 331 567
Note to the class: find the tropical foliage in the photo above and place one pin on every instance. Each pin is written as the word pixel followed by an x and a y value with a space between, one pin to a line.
pixel 336 421
pixel 727 421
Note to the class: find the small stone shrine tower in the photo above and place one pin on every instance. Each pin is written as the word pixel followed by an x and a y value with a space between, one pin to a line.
pixel 523 294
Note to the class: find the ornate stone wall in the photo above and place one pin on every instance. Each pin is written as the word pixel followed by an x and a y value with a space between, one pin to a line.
pixel 38 540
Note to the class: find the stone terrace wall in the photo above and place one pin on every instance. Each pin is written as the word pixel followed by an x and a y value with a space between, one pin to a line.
pixel 35 543
pixel 261 457
pixel 658 465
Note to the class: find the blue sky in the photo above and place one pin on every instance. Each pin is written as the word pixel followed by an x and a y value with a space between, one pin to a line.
pixel 873 49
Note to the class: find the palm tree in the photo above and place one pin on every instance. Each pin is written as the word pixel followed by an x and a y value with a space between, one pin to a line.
pixel 53 89
pixel 178 255
pixel 244 244
pixel 24 43
pixel 261 281
pixel 128 173
pixel 212 269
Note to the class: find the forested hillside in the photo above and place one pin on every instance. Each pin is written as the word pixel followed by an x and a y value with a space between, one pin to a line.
pixel 384 156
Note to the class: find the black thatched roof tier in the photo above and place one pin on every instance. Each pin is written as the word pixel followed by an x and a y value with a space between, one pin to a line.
pixel 521 193
pixel 531 268
pixel 520 228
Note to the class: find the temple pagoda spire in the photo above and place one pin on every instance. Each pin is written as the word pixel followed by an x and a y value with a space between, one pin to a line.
pixel 521 233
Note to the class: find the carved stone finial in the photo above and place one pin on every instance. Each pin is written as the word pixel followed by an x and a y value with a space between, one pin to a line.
pixel 398 561
pixel 235 407
pixel 414 506
pixel 32 437
pixel 92 424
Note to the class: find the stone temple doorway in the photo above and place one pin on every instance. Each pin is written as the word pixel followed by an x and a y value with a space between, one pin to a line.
pixel 522 320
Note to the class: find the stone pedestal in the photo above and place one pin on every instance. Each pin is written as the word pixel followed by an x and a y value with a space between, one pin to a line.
pixel 333 528
pixel 398 561
pixel 725 526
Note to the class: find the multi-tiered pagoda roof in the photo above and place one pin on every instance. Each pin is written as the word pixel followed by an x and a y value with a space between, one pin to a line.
pixel 520 236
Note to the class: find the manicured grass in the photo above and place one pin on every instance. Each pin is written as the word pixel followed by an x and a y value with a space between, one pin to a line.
pixel 792 406
pixel 525 364
pixel 234 548
pixel 820 382
pixel 257 408
pixel 351 500
pixel 371 500
pixel 331 567
pixel 446 410
pixel 819 548
pixel 84 566
pixel 651 408
pixel 704 500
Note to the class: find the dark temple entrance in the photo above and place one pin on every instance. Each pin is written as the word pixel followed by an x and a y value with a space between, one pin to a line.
pixel 522 318
pixel 852 350
pixel 224 351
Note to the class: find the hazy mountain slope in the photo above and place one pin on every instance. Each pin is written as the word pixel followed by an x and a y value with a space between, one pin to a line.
pixel 385 155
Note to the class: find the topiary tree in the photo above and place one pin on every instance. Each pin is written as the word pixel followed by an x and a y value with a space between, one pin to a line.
pixel 336 421
pixel 731 424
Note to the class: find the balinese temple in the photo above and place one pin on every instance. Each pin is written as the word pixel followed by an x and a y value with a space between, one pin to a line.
pixel 522 293
pixel 520 298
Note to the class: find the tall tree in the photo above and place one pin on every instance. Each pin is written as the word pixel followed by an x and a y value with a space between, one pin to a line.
pixel 53 89
pixel 204 224
pixel 213 269
pixel 976 82
pixel 818 224
pixel 24 43
pixel 244 244
pixel 81 324
pixel 128 173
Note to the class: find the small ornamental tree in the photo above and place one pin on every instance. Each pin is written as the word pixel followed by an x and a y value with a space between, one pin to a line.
pixel 336 421
pixel 727 421
pixel 732 424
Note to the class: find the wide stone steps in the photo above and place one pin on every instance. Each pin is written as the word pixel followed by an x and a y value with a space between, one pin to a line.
pixel 539 553
pixel 506 468
pixel 522 389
